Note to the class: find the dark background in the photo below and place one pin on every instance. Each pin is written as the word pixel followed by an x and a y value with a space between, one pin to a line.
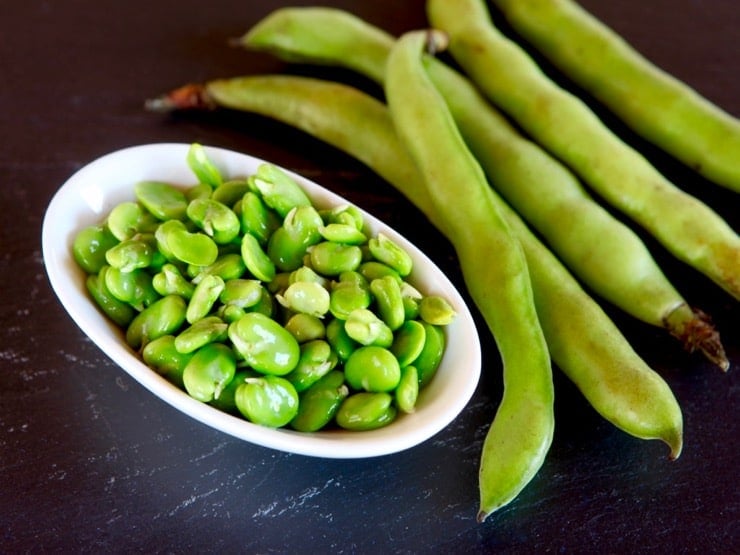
pixel 92 462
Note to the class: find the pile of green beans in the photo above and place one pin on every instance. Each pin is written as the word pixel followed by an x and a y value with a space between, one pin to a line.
pixel 251 299
pixel 432 109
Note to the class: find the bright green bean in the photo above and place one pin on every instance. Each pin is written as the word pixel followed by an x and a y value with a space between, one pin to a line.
pixel 320 402
pixel 268 401
pixel 199 163
pixel 204 298
pixel 90 247
pixel 265 345
pixel 372 368
pixel 162 200
pixel 366 411
pixel 202 332
pixel 164 317
pixel 209 371
pixel 117 310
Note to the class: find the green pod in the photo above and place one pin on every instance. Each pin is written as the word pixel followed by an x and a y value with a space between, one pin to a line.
pixel 90 245
pixel 134 288
pixel 388 252
pixel 161 355
pixel 331 259
pixel 320 403
pixel 389 302
pixel 408 342
pixel 210 329
pixel 366 328
pixel 256 260
pixel 372 368
pixel 428 360
pixel 279 191
pixel 169 281
pixel 267 400
pixel 164 317
pixel 209 371
pixel 162 200
pixel 203 168
pixel 217 220
pixel 316 360
pixel 264 344
pixel 366 411
pixel 407 391
pixel 119 311
pixel 204 297
pixel 257 218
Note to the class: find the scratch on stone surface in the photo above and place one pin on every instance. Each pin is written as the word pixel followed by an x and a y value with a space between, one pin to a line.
pixel 192 499
pixel 299 501
pixel 10 355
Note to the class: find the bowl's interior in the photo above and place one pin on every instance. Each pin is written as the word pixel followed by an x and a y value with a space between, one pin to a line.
pixel 89 195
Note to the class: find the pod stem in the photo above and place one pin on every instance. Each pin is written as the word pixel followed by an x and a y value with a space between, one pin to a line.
pixel 193 96
pixel 695 331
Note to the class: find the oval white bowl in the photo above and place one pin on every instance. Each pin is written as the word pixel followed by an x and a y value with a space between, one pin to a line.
pixel 87 197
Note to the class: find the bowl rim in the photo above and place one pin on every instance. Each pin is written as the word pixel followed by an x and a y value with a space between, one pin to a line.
pixel 89 194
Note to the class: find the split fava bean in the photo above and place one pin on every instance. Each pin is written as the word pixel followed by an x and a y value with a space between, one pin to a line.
pixel 198 307
pixel 366 411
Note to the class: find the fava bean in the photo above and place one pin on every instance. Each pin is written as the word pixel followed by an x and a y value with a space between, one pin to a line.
pixel 339 340
pixel 265 345
pixel 305 327
pixel 206 330
pixel 366 328
pixel 134 287
pixel 209 371
pixel 372 368
pixel 366 411
pixel 163 317
pixel 169 281
pixel 192 248
pixel 289 243
pixel 119 311
pixel 279 191
pixel 243 293
pixel 131 254
pixel 343 233
pixel 199 163
pixel 331 259
pixel 257 219
pixel 128 218
pixel 320 402
pixel 387 251
pixel 204 297
pixel 408 343
pixel 256 260
pixel 162 355
pixel 387 294
pixel 230 192
pixel 90 247
pixel 162 200
pixel 308 297
pixel 268 401
pixel 217 220
pixel 407 391
pixel 316 360
pixel 347 295
pixel 436 310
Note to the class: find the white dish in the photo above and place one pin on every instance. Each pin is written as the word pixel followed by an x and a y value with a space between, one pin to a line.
pixel 89 195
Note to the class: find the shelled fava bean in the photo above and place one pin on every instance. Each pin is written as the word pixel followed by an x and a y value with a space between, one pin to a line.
pixel 253 300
